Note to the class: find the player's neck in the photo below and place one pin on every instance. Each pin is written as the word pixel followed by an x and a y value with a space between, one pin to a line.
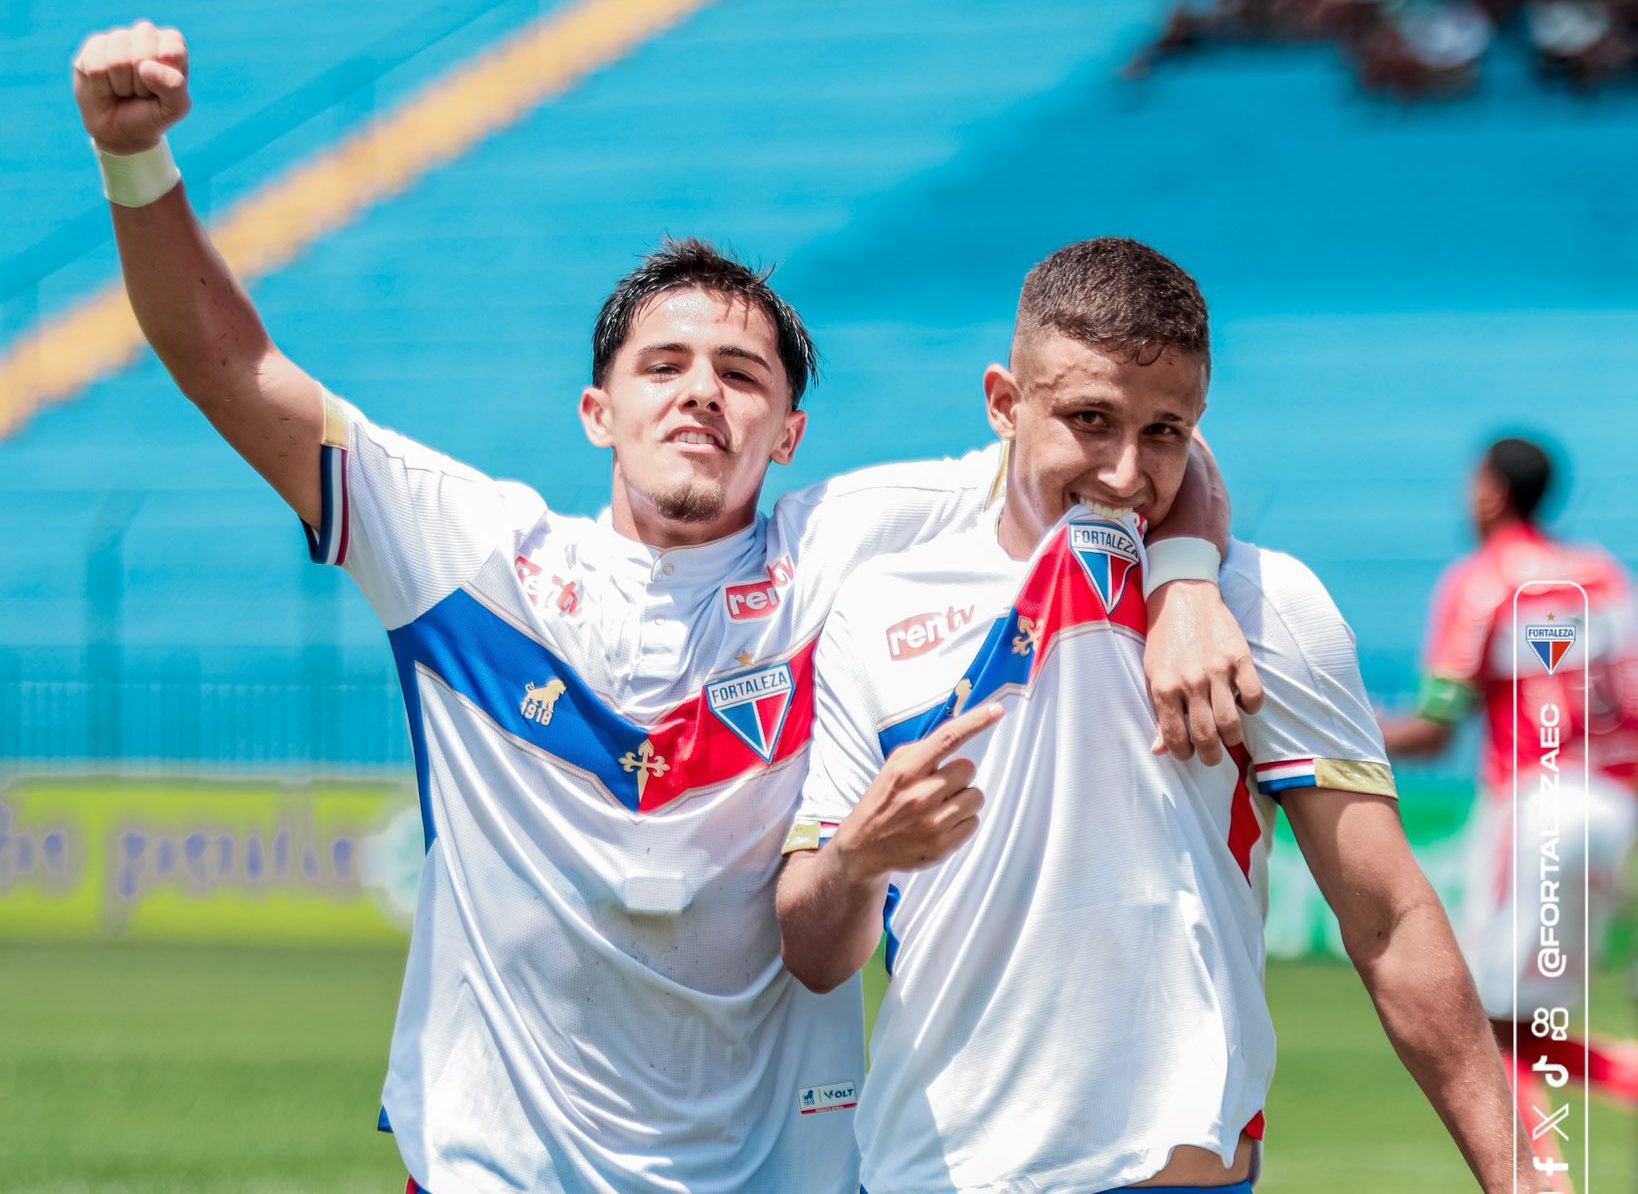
pixel 1017 531
pixel 1508 526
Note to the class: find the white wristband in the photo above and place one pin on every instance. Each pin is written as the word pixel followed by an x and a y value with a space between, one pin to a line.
pixel 1180 559
pixel 137 179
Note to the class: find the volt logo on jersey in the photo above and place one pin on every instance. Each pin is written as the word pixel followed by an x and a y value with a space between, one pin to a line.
pixel 1550 643
pixel 754 706
pixel 1107 553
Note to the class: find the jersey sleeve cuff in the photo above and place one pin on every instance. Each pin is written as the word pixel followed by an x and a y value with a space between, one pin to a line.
pixel 809 833
pixel 327 544
pixel 1342 775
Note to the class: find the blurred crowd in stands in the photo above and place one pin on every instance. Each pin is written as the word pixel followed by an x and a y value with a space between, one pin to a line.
pixel 1419 48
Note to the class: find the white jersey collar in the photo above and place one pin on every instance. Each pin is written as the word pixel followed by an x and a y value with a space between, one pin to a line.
pixel 713 561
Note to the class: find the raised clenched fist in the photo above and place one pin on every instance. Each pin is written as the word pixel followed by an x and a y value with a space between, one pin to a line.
pixel 131 85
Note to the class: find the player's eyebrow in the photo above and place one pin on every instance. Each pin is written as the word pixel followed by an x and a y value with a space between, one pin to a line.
pixel 744 354
pixel 726 350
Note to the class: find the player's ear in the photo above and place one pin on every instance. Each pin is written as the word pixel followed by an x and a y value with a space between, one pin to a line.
pixel 1001 399
pixel 790 435
pixel 596 417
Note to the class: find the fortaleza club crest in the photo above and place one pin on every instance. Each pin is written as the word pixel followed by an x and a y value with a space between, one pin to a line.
pixel 754 706
pixel 1107 553
pixel 1551 642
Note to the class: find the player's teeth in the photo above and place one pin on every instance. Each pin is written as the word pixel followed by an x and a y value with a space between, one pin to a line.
pixel 1100 508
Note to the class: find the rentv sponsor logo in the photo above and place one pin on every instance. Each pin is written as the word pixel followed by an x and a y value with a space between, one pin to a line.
pixel 759 598
pixel 920 633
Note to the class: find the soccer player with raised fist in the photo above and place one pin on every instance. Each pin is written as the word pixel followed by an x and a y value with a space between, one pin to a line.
pixel 610 717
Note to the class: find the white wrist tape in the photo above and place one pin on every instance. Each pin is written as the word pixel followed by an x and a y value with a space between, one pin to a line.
pixel 1180 559
pixel 137 179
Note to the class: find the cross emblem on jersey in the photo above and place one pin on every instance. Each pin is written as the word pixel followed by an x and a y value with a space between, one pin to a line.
pixel 645 763
pixel 1029 637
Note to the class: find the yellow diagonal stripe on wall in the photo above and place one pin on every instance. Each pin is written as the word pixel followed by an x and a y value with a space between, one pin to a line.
pixel 449 116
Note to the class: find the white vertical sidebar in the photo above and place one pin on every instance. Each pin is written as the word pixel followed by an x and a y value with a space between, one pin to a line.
pixel 1550 696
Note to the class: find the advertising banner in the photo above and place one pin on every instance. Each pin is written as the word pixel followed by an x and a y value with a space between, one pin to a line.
pixel 208 862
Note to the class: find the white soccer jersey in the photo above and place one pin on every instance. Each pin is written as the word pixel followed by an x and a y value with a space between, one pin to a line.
pixel 1078 989
pixel 610 741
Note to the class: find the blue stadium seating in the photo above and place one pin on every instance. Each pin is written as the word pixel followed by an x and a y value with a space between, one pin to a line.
pixel 1390 285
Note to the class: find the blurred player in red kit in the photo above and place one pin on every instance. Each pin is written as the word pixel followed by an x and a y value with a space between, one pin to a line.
pixel 1469 664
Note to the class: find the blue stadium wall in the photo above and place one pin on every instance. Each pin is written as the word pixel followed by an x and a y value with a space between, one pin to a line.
pixel 1390 285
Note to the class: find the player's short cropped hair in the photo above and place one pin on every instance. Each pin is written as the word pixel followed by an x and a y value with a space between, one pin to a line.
pixel 693 264
pixel 1525 472
pixel 1118 296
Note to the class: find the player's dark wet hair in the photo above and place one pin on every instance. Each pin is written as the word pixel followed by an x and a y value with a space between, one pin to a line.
pixel 693 264
pixel 1525 471
pixel 1118 296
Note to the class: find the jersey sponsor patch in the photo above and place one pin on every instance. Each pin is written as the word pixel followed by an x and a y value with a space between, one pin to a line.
pixel 561 594
pixel 1108 553
pixel 830 1096
pixel 920 633
pixel 759 598
pixel 1551 643
pixel 754 706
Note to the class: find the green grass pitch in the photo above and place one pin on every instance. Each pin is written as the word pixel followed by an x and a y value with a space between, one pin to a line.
pixel 142 1069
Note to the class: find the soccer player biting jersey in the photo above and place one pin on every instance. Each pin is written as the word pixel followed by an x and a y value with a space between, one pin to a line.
pixel 1074 925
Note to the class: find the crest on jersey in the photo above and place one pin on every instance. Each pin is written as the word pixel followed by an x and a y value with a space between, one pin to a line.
pixel 540 700
pixel 753 705
pixel 1550 642
pixel 1107 554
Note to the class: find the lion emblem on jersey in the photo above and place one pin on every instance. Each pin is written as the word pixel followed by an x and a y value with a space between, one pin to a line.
pixel 539 702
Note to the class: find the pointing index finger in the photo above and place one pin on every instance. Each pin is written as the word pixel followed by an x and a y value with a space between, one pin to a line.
pixel 952 736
